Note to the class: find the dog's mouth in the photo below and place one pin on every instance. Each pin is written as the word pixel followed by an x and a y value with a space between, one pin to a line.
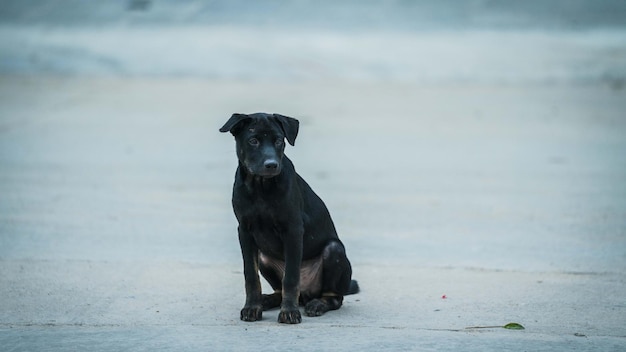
pixel 265 172
pixel 268 173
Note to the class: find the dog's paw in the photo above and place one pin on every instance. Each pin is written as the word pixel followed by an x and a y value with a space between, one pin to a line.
pixel 289 316
pixel 251 313
pixel 315 308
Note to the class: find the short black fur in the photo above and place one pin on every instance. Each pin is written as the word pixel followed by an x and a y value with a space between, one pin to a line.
pixel 285 230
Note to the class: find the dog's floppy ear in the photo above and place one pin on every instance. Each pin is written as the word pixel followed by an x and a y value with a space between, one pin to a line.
pixel 290 127
pixel 231 124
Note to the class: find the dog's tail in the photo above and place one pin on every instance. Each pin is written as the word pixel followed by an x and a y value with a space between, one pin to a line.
pixel 354 288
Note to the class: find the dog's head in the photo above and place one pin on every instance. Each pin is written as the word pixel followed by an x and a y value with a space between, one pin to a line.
pixel 260 140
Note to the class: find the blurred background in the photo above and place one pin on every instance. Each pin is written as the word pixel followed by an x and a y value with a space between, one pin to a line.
pixel 479 133
pixel 410 41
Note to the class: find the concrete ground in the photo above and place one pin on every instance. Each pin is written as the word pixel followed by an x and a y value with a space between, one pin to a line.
pixel 461 206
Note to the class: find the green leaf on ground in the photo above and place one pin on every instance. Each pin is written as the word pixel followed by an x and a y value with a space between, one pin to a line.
pixel 513 326
pixel 510 326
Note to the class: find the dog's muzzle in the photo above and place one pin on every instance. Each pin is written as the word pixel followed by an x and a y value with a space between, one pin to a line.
pixel 269 168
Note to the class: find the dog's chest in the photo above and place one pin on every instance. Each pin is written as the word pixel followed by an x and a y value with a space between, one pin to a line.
pixel 268 234
pixel 268 220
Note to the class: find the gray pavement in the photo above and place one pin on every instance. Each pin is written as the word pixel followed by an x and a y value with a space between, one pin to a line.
pixel 475 175
pixel 117 233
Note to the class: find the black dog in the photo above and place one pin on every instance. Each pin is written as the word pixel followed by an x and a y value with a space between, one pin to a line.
pixel 285 230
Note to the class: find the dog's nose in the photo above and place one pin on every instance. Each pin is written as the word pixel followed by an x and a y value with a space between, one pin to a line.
pixel 271 164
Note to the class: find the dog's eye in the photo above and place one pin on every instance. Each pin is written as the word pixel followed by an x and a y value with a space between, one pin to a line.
pixel 278 142
pixel 253 141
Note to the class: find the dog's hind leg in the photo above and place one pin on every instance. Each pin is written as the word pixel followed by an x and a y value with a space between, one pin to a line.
pixel 273 272
pixel 336 280
pixel 272 300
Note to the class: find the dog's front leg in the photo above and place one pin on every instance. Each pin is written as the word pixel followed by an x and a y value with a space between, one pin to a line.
pixel 253 309
pixel 289 311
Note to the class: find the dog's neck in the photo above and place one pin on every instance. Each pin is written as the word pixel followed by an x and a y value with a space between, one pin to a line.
pixel 255 183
